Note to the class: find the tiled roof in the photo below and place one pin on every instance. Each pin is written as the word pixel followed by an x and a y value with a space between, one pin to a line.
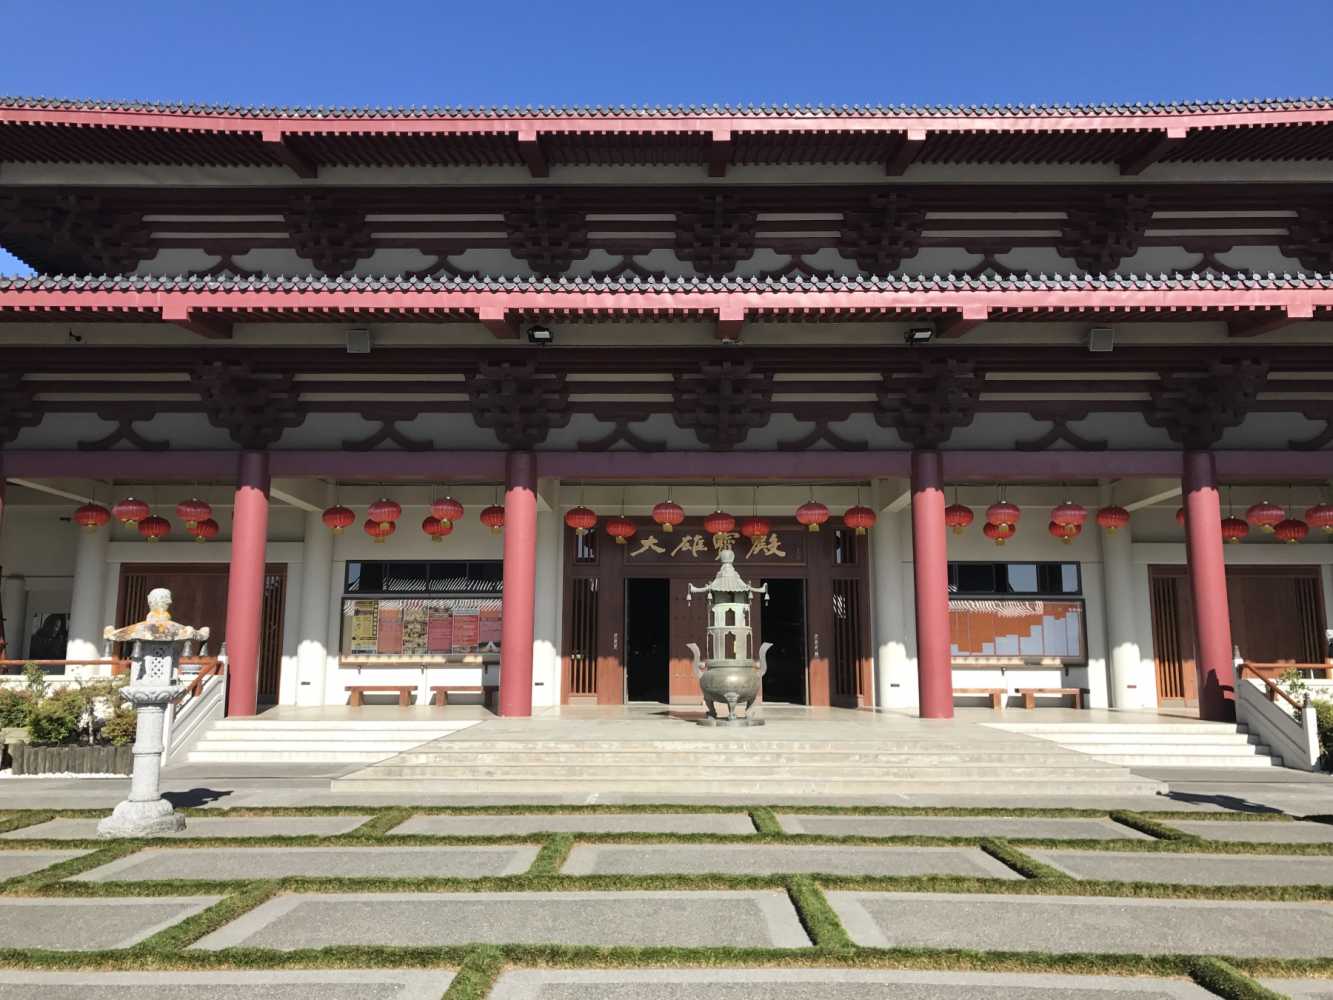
pixel 681 110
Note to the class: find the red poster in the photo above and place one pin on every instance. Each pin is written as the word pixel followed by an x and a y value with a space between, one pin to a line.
pixel 489 627
pixel 467 628
pixel 391 630
pixel 440 634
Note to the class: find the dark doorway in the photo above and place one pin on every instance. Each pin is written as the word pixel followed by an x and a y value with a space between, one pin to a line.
pixel 647 639
pixel 782 622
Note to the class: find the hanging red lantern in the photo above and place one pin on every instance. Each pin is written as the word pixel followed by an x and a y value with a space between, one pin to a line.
pixel 719 523
pixel 860 519
pixel 385 511
pixel 1291 530
pixel 958 517
pixel 92 516
pixel 1004 513
pixel 997 533
pixel 1320 516
pixel 1065 532
pixel 379 530
pixel 494 518
pixel 620 528
pixel 130 511
pixel 337 518
pixel 192 511
pixel 436 527
pixel 154 527
pixel 447 509
pixel 1265 516
pixel 205 530
pixel 812 514
pixel 1112 519
pixel 1234 529
pixel 1069 514
pixel 668 514
pixel 581 519
pixel 755 527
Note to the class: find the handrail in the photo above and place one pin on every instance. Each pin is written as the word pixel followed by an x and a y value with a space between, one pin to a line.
pixel 208 667
pixel 117 665
pixel 1272 688
pixel 1272 669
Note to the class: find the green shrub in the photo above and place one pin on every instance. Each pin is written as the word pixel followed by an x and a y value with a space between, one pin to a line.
pixel 1324 716
pixel 54 720
pixel 15 707
pixel 119 730
pixel 35 679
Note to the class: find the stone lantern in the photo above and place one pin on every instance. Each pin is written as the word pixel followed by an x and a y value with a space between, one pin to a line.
pixel 730 674
pixel 159 644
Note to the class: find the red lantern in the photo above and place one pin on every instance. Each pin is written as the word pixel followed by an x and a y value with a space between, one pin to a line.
pixel 205 530
pixel 447 509
pixel 1234 529
pixel 337 518
pixel 379 530
pixel 719 523
pixel 385 511
pixel 193 511
pixel 860 519
pixel 1265 516
pixel 436 527
pixel 755 527
pixel 812 514
pixel 1069 514
pixel 1291 531
pixel 92 516
pixel 154 527
pixel 1180 516
pixel 1320 516
pixel 1112 519
pixel 494 518
pixel 668 514
pixel 581 519
pixel 958 517
pixel 620 528
pixel 130 511
pixel 997 533
pixel 1004 513
pixel 1065 532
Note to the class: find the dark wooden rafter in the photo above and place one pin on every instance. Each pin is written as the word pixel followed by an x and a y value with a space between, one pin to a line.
pixel 960 322
pixel 520 404
pixel 254 407
pixel 1158 144
pixel 19 408
pixel 722 402
pixel 1255 325
pixel 500 321
pixel 730 322
pixel 530 149
pixel 289 153
pixel 1196 408
pixel 196 321
pixel 906 150
pixel 927 406
pixel 719 152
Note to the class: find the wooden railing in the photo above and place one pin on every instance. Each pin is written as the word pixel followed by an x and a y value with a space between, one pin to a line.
pixel 1278 669
pixel 1263 672
pixel 208 665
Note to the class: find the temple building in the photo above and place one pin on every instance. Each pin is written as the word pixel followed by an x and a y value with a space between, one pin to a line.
pixel 458 403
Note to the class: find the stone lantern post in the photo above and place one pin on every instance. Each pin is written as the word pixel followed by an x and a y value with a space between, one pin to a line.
pixel 730 675
pixel 159 644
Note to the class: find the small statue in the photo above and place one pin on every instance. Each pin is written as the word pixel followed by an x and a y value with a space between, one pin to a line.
pixel 729 675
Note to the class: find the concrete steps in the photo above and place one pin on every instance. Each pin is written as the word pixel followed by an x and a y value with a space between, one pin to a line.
pixel 256 741
pixel 1193 744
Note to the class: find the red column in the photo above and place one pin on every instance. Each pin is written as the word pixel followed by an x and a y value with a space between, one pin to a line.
pixel 245 582
pixel 520 583
pixel 4 645
pixel 930 561
pixel 1208 588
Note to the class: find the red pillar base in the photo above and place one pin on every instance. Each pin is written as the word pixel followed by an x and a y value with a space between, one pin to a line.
pixel 520 584
pixel 930 558
pixel 1208 588
pixel 245 583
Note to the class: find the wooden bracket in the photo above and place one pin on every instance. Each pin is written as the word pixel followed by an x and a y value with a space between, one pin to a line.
pixel 719 152
pixel 195 321
pixel 496 319
pixel 905 153
pixel 1158 145
pixel 530 148
pixel 279 144
pixel 963 321
pixel 730 320
pixel 1267 322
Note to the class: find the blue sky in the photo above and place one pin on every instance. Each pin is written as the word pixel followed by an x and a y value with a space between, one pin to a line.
pixel 781 51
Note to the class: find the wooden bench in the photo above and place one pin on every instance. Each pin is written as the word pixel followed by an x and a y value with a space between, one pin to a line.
pixel 996 695
pixel 1030 695
pixel 439 693
pixel 357 692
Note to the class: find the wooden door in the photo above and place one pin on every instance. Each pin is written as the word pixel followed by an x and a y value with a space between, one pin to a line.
pixel 579 676
pixel 689 622
pixel 1173 635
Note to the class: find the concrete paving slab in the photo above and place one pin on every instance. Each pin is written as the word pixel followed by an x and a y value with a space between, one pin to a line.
pixel 745 859
pixel 755 919
pixel 204 826
pixel 334 984
pixel 223 863
pixel 1073 924
pixel 16 863
pixel 481 825
pixel 826 984
pixel 92 924
pixel 1255 831
pixel 959 826
pixel 1190 869
pixel 1302 989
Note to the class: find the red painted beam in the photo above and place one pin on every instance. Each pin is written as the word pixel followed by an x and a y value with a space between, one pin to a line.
pixel 530 148
pixel 192 319
pixel 278 143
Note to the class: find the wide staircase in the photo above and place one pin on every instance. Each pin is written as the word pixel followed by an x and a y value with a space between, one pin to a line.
pixel 800 759
pixel 296 741
pixel 1159 744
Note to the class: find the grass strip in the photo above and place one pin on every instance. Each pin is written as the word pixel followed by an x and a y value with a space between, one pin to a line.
pixel 477 975
pixel 381 823
pixel 1150 826
pixel 1226 980
pixel 19 820
pixel 766 822
pixel 181 935
pixel 817 916
pixel 552 855
pixel 36 882
pixel 1026 865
